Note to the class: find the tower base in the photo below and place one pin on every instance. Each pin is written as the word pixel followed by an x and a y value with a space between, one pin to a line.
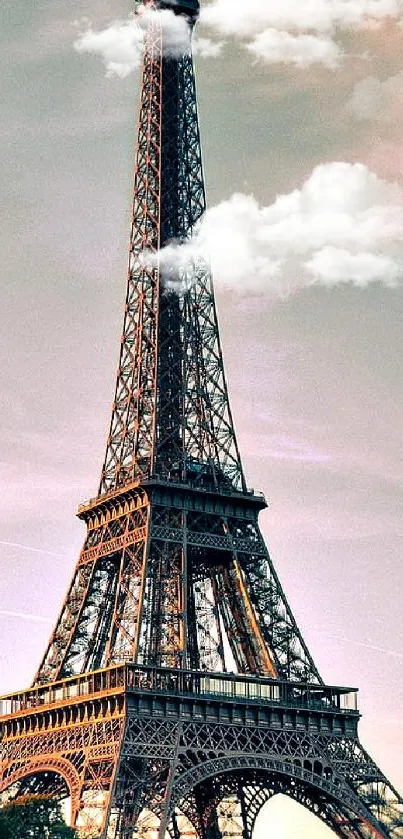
pixel 153 753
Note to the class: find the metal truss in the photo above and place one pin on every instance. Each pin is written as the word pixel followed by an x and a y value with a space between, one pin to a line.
pixel 64 741
pixel 171 414
pixel 217 769
pixel 98 621
pixel 171 587
pixel 156 583
pixel 134 712
pixel 155 753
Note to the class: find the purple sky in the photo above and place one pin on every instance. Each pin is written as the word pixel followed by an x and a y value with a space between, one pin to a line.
pixel 315 376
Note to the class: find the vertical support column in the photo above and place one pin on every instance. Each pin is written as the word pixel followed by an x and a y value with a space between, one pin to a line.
pixel 183 594
pixel 175 827
pixel 244 814
pixel 130 446
pixel 213 830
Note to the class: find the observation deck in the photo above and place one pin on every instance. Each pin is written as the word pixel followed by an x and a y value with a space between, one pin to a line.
pixel 172 692
pixel 189 8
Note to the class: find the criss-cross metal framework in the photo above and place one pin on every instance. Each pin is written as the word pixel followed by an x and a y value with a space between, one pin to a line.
pixel 177 694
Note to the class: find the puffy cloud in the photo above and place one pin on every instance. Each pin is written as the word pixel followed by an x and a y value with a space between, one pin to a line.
pixel 331 266
pixel 345 225
pixel 175 28
pixel 273 46
pixel 299 32
pixel 246 19
pixel 206 48
pixel 294 32
pixel 120 45
pixel 377 100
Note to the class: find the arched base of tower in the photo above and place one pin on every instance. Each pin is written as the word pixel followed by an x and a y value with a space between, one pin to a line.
pixel 227 806
pixel 166 754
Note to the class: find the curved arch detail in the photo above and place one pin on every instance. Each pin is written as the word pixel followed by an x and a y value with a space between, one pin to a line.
pixel 59 766
pixel 335 790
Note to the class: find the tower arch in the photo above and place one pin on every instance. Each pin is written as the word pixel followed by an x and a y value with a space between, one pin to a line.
pixel 56 777
pixel 314 787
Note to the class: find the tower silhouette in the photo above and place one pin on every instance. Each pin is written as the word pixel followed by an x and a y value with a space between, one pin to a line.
pixel 177 694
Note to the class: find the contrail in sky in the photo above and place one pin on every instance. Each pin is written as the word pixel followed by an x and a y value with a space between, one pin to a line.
pixel 365 644
pixel 28 548
pixel 24 616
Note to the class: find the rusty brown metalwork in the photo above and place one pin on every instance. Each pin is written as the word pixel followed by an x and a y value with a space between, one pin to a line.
pixel 68 731
pixel 177 694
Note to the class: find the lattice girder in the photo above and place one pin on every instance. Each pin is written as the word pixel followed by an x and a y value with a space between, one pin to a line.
pixel 135 746
pixel 162 583
pixel 192 754
pixel 171 411
pixel 71 732
pixel 174 577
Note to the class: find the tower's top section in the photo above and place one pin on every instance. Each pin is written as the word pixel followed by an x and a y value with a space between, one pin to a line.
pixel 171 418
pixel 189 8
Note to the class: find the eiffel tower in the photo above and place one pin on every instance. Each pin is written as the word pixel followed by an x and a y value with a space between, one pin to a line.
pixel 177 695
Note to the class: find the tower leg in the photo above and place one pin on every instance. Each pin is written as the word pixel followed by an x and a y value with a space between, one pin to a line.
pixel 213 831
pixel 241 796
pixel 175 828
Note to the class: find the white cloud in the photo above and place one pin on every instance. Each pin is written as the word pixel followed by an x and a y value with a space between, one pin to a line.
pixel 377 100
pixel 120 45
pixel 345 225
pixel 273 46
pixel 331 266
pixel 299 32
pixel 246 19
pixel 207 48
pixel 175 30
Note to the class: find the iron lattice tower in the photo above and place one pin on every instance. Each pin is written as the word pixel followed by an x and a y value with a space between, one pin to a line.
pixel 134 712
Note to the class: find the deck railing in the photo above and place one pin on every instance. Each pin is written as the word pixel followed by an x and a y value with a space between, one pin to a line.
pixel 97 683
pixel 131 677
pixel 236 687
